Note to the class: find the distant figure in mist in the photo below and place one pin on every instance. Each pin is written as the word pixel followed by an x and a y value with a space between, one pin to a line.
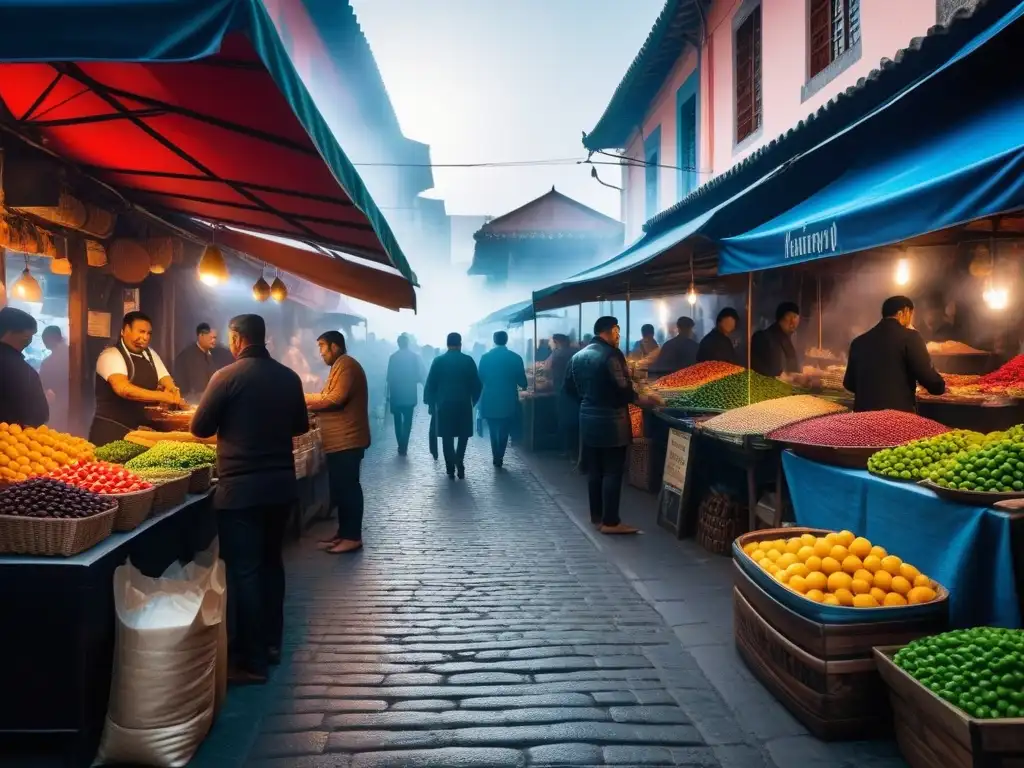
pixel 717 346
pixel 405 374
pixel 647 344
pixel 678 352
pixel 503 374
pixel 453 389
pixel 543 350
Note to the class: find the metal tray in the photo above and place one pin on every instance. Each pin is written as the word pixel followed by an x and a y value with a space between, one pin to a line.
pixel 973 498
pixel 854 457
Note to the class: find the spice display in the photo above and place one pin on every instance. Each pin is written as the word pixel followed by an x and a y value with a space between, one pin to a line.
pixel 979 670
pixel 953 348
pixel 46 497
pixel 1010 375
pixel 762 418
pixel 148 438
pixel 33 451
pixel 842 569
pixel 696 375
pixel 732 392
pixel 868 429
pixel 916 459
pixel 994 467
pixel 636 421
pixel 119 451
pixel 101 477
pixel 174 455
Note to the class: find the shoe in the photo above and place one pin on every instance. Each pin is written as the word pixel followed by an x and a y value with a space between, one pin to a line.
pixel 244 677
pixel 621 529
pixel 450 472
pixel 345 546
pixel 462 473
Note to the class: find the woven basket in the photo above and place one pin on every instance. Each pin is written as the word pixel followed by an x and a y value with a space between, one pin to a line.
pixel 639 472
pixel 170 493
pixel 720 519
pixel 200 479
pixel 54 536
pixel 133 509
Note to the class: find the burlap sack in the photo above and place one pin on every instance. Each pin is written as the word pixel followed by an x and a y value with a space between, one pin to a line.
pixel 168 665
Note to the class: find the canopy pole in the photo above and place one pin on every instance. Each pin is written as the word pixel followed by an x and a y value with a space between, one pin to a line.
pixel 579 329
pixel 820 345
pixel 535 363
pixel 627 320
pixel 750 325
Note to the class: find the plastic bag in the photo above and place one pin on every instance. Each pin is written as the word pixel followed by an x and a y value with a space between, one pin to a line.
pixel 170 663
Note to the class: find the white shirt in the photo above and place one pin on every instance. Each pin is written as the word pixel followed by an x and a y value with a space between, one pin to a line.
pixel 111 362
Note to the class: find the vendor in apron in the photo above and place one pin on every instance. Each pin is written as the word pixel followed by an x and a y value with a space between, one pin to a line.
pixel 129 376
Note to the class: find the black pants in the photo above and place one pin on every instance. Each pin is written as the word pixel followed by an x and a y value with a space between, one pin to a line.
pixel 250 542
pixel 454 452
pixel 605 468
pixel 433 435
pixel 347 492
pixel 499 430
pixel 403 425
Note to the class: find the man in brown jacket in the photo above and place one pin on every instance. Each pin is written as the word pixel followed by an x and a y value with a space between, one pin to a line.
pixel 343 414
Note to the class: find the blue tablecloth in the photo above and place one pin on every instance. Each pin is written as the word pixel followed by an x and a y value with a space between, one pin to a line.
pixel 966 549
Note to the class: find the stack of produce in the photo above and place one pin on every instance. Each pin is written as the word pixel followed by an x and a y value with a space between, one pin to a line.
pixel 762 418
pixel 46 497
pixel 842 569
pixel 1007 379
pixel 953 348
pixel 31 451
pixel 636 421
pixel 957 386
pixel 736 391
pixel 101 477
pixel 696 376
pixel 119 451
pixel 173 455
pixel 158 474
pixel 868 429
pixel 979 670
pixel 993 467
pixel 820 353
pixel 916 459
pixel 148 438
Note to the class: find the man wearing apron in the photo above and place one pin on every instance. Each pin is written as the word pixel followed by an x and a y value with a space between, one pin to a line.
pixel 129 376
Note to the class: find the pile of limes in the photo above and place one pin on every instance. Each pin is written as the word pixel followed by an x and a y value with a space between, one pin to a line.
pixel 993 467
pixel 842 569
pixel 979 670
pixel 914 460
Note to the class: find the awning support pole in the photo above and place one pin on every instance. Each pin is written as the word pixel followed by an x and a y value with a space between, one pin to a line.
pixel 750 326
pixel 820 345
pixel 579 328
pixel 627 320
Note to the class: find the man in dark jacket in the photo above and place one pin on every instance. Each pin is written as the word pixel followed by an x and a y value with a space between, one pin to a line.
pixel 255 406
pixel 502 375
pixel 405 374
pixel 771 351
pixel 888 362
pixel 647 344
pixel 568 408
pixel 195 364
pixel 599 380
pixel 678 352
pixel 717 346
pixel 453 389
pixel 22 399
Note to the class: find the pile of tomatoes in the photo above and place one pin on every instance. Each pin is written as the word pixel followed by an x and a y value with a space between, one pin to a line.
pixel 101 477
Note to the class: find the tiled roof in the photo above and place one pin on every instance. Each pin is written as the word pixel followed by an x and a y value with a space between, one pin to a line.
pixel 921 56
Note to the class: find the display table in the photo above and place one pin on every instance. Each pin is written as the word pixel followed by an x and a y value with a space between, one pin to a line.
pixel 968 550
pixel 57 640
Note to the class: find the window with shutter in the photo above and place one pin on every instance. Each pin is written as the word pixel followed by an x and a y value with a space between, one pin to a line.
pixel 688 128
pixel 748 75
pixel 651 183
pixel 834 28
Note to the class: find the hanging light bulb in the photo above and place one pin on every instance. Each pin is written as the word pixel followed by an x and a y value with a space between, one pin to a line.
pixel 25 287
pixel 995 298
pixel 902 276
pixel 261 289
pixel 691 295
pixel 212 270
pixel 278 290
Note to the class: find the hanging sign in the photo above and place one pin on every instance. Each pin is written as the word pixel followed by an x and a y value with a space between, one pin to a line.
pixel 98 326
pixel 675 481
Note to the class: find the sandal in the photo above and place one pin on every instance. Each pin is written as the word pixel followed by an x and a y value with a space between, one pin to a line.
pixel 344 547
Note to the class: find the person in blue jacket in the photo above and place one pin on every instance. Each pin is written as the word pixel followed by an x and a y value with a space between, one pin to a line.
pixel 503 374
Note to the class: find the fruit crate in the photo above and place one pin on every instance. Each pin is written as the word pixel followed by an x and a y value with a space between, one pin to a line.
pixel 133 509
pixel 200 479
pixel 640 464
pixel 824 674
pixel 54 536
pixel 170 492
pixel 934 734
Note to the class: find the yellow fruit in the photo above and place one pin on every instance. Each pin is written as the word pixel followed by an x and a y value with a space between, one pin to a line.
pixel 773 554
pixel 892 564
pixel 839 552
pixel 757 555
pixel 813 563
pixel 817 580
pixel 852 564
pixel 822 548
pixel 815 594
pixel 831 600
pixel 878 594
pixel 901 585
pixel 894 599
pixel 921 595
pixel 839 580
pixel 872 563
pixel 859 587
pixel 793 545
pixel 909 572
pixel 830 565
pixel 864 601
pixel 782 576
pixel 797 584
pixel 922 581
pixel 772 568
pixel 805 553
pixel 797 569
pixel 883 580
pixel 786 559
pixel 778 544
pixel 832 539
pixel 23 461
pixel 749 547
pixel 860 547
pixel 844 596
pixel 864 575
pixel 765 564
pixel 879 552
pixel 846 538
pixel 15 429
pixel 808 539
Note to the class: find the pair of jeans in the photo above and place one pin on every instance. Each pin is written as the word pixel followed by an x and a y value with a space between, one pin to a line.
pixel 403 426
pixel 433 435
pixel 347 492
pixel 454 452
pixel 605 468
pixel 499 431
pixel 251 541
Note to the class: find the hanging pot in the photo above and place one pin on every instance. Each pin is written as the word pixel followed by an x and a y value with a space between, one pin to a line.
pixel 95 254
pixel 129 260
pixel 161 253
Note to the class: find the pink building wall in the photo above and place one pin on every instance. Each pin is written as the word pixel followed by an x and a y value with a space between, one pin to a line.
pixel 886 27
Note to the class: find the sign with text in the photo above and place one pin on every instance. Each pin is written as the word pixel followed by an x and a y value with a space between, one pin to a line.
pixel 677 458
pixel 675 482
pixel 98 325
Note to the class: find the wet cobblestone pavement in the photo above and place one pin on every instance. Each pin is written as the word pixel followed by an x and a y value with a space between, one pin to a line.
pixel 479 627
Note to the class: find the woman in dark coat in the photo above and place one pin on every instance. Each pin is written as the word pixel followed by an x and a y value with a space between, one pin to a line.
pixel 453 388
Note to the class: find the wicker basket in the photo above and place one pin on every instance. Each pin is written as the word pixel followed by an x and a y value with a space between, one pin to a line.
pixel 639 467
pixel 54 535
pixel 133 509
pixel 720 519
pixel 200 479
pixel 170 493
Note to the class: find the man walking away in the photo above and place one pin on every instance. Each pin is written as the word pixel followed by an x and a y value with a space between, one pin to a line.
pixel 502 374
pixel 255 408
pixel 453 389
pixel 598 378
pixel 343 412
pixel 405 372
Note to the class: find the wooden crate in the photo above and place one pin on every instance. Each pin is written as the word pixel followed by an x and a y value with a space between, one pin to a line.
pixel 934 734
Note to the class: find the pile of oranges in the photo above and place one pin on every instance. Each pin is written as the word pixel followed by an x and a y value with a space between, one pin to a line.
pixel 842 569
pixel 30 451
